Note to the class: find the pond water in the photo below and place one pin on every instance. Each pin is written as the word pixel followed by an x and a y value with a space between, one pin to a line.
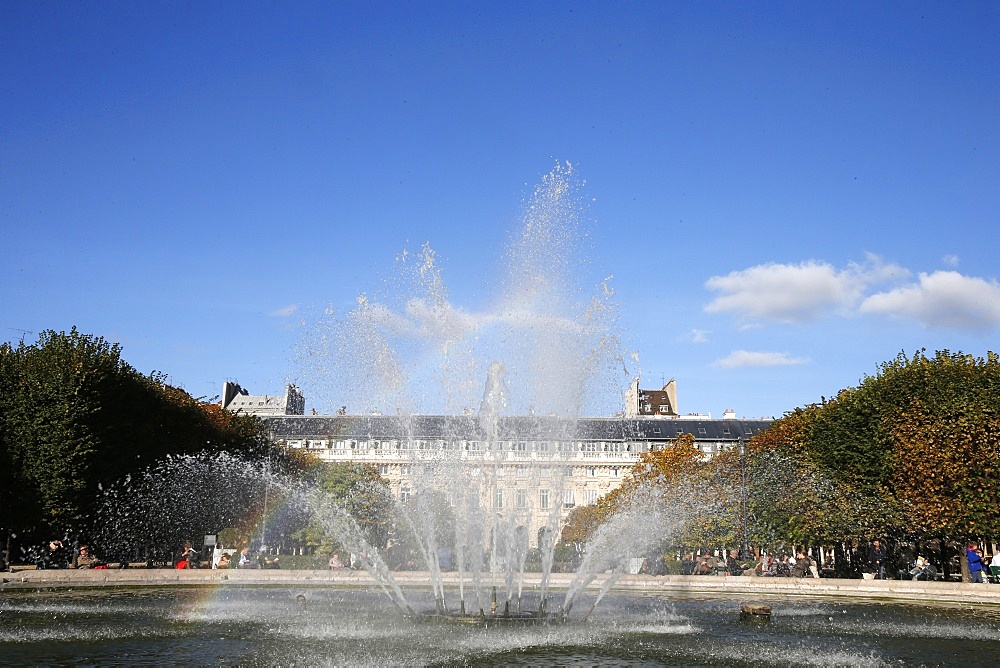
pixel 270 626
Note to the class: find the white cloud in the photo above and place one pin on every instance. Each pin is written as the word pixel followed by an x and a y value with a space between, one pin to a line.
pixel 797 292
pixel 741 358
pixel 284 311
pixel 695 336
pixel 950 260
pixel 942 299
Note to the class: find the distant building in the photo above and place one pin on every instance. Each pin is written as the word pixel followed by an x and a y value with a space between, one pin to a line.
pixel 661 403
pixel 536 461
pixel 238 400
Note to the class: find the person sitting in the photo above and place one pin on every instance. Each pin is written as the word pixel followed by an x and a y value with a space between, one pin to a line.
pixel 188 558
pixel 245 560
pixel 703 567
pixel 733 565
pixel 54 555
pixel 923 570
pixel 687 564
pixel 223 561
pixel 86 559
pixel 801 566
pixel 263 561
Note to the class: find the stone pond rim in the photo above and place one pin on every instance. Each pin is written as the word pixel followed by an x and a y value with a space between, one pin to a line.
pixel 897 590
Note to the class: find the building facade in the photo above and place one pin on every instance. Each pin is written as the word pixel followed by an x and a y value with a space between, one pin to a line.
pixel 535 466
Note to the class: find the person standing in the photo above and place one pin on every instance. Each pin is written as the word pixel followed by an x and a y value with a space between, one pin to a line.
pixel 975 562
pixel 876 559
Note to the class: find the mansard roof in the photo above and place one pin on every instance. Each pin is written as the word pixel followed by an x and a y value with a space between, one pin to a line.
pixel 469 427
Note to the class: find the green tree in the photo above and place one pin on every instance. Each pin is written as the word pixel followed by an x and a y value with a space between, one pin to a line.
pixel 913 450
pixel 359 490
pixel 74 417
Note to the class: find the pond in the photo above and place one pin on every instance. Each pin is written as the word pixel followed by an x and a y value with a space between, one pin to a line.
pixel 324 626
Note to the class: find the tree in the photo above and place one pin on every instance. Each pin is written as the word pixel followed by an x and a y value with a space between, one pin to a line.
pixel 912 451
pixel 75 418
pixel 360 491
pixel 660 467
pixel 581 523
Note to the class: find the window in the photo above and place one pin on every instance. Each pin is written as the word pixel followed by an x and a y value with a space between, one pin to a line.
pixel 543 446
pixel 568 471
pixel 664 408
pixel 521 499
pixel 590 447
pixel 383 469
pixel 656 430
pixel 543 499
pixel 591 497
pixel 404 469
pixel 544 472
pixel 498 499
pixel 520 446
pixel 569 498
pixel 404 495
pixel 522 471
pixel 591 471
pixel 499 471
pixel 725 430
pixel 702 431
pixel 615 472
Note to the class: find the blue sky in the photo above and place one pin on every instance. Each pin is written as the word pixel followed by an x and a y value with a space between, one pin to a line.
pixel 786 194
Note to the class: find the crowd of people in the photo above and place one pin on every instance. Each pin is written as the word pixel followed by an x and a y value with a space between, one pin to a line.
pixel 799 565
pixel 922 567
pixel 59 553
pixel 221 558
pixel 55 553
pixel 875 563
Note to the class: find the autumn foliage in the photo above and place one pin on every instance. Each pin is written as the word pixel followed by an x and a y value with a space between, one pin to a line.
pixel 913 451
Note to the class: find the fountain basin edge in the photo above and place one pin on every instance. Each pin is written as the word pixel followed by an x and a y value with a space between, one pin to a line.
pixel 896 590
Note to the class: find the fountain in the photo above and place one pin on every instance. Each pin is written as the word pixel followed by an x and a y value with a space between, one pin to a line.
pixel 543 348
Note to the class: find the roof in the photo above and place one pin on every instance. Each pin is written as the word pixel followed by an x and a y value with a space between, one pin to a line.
pixel 462 427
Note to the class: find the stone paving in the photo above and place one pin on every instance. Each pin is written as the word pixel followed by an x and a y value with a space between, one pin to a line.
pixel 901 590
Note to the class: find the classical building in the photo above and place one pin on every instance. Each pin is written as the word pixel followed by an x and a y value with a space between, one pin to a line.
pixel 533 462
